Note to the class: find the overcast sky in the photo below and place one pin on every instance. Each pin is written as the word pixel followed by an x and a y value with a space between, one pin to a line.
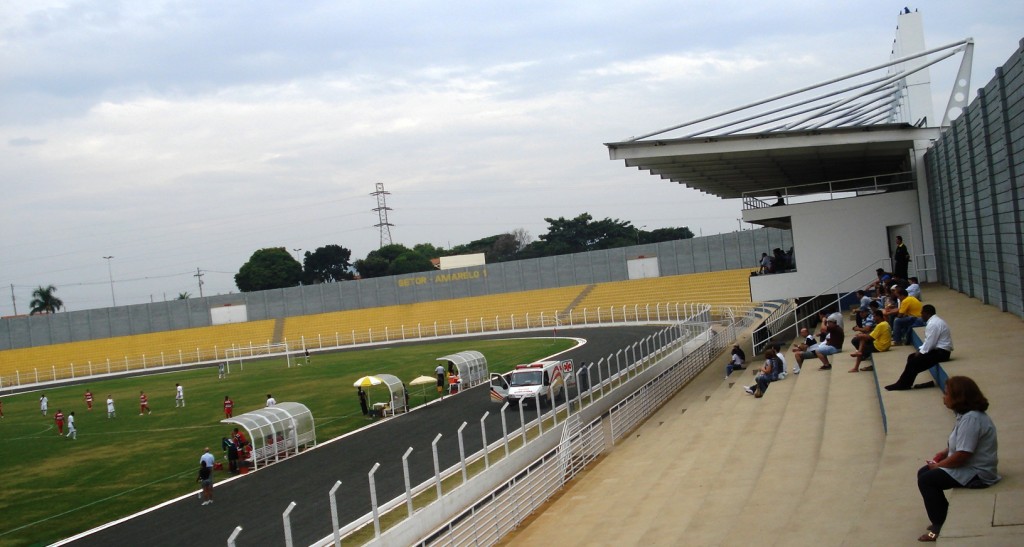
pixel 187 134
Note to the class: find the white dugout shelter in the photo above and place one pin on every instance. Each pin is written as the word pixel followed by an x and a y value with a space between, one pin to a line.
pixel 276 432
pixel 397 395
pixel 471 366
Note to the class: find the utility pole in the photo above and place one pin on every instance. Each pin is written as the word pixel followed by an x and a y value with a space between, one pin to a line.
pixel 199 275
pixel 382 214
pixel 13 302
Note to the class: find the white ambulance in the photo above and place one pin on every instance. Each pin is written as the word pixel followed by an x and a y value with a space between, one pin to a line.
pixel 543 380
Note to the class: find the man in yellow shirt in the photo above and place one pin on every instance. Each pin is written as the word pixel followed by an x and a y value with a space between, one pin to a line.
pixel 908 317
pixel 880 339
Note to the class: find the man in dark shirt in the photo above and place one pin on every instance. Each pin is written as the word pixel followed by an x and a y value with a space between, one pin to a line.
pixel 832 344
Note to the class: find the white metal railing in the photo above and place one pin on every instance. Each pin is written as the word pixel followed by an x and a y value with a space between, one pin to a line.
pixel 600 386
pixel 763 333
pixel 833 189
pixel 258 349
pixel 485 521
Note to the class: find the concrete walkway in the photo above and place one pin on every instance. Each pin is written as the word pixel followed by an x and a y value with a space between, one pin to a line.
pixel 808 464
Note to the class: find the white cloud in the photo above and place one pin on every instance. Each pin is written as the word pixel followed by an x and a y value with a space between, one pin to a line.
pixel 189 134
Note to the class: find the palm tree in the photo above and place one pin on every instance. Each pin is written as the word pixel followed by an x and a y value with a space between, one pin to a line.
pixel 44 301
pixel 184 295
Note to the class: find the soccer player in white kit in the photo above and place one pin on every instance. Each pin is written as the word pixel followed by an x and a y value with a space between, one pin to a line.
pixel 179 397
pixel 110 408
pixel 72 432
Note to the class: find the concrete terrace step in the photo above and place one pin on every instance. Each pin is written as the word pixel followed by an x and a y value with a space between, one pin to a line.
pixel 798 437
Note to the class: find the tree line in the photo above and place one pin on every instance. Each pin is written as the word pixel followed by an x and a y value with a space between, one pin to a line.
pixel 276 268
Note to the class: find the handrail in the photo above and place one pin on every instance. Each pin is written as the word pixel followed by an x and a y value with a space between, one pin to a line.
pixel 752 201
pixel 761 339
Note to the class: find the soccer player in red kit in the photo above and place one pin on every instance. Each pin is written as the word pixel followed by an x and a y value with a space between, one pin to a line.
pixel 58 418
pixel 144 404
pixel 228 406
pixel 88 399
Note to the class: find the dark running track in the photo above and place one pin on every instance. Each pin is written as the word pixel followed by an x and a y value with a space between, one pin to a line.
pixel 256 502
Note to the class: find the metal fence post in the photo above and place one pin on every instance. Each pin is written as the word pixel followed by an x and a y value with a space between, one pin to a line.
pixel 437 465
pixel 373 500
pixel 334 514
pixel 483 435
pixel 234 534
pixel 286 518
pixel 408 486
pixel 504 427
pixel 522 421
pixel 462 452
pixel 536 406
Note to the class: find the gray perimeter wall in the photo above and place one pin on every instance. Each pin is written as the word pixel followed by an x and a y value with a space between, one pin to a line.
pixel 702 254
pixel 974 182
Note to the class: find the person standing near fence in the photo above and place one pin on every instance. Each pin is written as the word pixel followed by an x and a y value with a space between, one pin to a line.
pixel 43 403
pixel 72 432
pixel 88 400
pixel 179 396
pixel 220 371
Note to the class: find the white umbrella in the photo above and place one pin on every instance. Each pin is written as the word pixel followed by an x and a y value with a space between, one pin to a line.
pixel 423 381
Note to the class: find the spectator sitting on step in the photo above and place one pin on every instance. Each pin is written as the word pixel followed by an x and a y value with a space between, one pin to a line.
pixel 914 288
pixel 881 283
pixel 891 309
pixel 807 343
pixel 770 372
pixel 908 316
pixel 936 348
pixel 880 339
pixel 736 360
pixel 778 353
pixel 864 320
pixel 831 345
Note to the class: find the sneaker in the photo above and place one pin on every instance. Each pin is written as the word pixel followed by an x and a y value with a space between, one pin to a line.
pixel 207 502
pixel 796 370
pixel 749 390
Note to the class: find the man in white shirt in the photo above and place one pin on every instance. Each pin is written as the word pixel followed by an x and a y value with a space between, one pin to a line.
pixel 179 396
pixel 914 289
pixel 936 348
pixel 271 401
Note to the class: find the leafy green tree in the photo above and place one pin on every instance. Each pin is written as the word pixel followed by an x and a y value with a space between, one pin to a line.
pixel 272 268
pixel 393 260
pixel 372 266
pixel 428 250
pixel 44 301
pixel 665 234
pixel 326 264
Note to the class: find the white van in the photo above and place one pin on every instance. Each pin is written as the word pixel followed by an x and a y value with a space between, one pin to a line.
pixel 546 380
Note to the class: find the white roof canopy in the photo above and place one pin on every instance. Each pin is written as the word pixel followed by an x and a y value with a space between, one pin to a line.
pixel 277 432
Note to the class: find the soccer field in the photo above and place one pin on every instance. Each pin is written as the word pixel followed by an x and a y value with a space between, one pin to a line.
pixel 55 487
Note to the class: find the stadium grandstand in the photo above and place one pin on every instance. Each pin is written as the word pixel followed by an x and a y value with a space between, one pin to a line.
pixel 825 457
